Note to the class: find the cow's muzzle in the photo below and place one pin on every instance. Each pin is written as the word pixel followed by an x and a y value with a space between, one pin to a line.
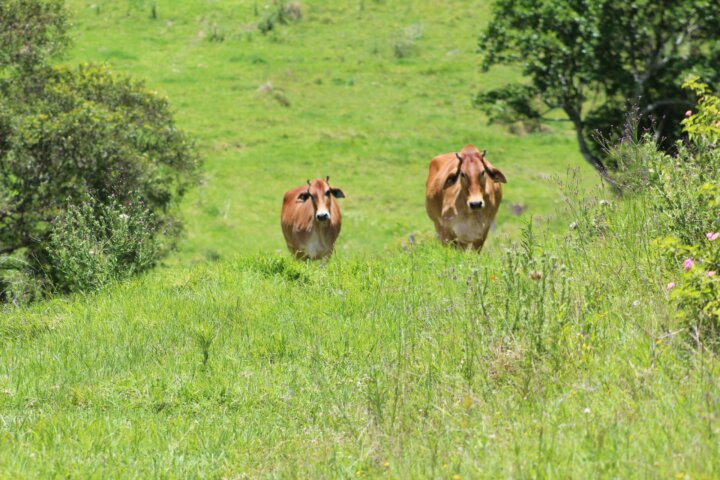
pixel 322 216
pixel 476 205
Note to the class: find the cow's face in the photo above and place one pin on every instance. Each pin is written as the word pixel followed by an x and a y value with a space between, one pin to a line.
pixel 475 177
pixel 320 195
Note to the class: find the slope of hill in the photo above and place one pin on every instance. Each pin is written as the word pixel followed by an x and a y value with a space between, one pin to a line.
pixel 423 363
pixel 327 95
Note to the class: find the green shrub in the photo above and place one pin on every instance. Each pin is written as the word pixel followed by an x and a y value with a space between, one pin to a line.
pixel 698 288
pixel 703 126
pixel 71 133
pixel 30 32
pixel 94 244
pixel 682 191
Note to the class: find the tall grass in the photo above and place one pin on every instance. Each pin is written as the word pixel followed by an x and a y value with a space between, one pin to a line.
pixel 558 357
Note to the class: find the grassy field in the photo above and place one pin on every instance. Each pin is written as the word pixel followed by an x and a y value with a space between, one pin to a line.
pixel 426 363
pixel 394 359
pixel 356 112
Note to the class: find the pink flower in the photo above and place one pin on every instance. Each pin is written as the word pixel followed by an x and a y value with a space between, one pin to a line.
pixel 670 286
pixel 712 236
pixel 688 113
pixel 711 273
pixel 688 264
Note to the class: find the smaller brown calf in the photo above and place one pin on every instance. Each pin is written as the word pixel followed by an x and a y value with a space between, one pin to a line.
pixel 311 219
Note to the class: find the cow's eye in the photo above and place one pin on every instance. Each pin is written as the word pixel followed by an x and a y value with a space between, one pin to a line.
pixel 450 180
pixel 327 193
pixel 304 196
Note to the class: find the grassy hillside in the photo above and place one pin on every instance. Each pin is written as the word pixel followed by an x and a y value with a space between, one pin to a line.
pixel 356 112
pixel 425 363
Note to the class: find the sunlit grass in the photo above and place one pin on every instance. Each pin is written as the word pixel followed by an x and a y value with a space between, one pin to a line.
pixel 552 354
pixel 355 112
pixel 556 358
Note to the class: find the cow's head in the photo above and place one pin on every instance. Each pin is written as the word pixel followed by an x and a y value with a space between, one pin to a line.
pixel 320 194
pixel 476 177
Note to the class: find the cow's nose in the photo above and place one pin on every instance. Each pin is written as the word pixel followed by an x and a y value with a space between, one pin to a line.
pixel 475 205
pixel 322 216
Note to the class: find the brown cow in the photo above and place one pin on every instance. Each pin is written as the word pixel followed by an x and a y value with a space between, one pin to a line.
pixel 311 219
pixel 462 196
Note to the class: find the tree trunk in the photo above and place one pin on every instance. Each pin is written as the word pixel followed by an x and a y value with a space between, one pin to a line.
pixel 585 151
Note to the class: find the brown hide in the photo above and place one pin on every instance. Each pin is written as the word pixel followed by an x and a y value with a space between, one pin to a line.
pixel 308 237
pixel 462 197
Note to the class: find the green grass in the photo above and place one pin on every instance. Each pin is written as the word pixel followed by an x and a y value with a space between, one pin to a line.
pixel 357 113
pixel 423 363
pixel 386 362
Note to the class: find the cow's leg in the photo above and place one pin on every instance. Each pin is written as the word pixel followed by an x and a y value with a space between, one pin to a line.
pixel 477 244
pixel 443 234
pixel 300 255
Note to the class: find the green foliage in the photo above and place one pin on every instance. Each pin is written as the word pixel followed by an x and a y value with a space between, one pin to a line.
pixel 703 125
pixel 683 193
pixel 94 244
pixel 676 183
pixel 510 103
pixel 697 290
pixel 30 32
pixel 589 58
pixel 85 131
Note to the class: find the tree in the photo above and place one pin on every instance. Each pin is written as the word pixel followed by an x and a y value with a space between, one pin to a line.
pixel 589 58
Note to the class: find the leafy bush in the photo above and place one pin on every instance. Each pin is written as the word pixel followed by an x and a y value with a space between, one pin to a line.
pixel 682 192
pixel 30 32
pixel 72 134
pixel 704 125
pixel 698 292
pixel 93 244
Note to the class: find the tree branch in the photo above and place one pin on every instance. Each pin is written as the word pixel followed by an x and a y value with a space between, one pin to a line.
pixel 596 163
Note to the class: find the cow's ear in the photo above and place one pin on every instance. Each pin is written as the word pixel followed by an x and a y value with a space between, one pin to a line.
pixel 337 193
pixel 303 197
pixel 496 175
